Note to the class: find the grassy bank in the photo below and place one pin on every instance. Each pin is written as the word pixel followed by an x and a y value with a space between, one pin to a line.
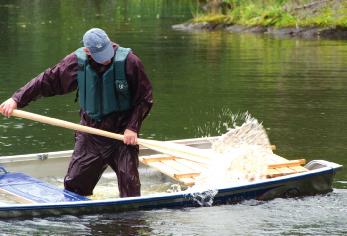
pixel 278 13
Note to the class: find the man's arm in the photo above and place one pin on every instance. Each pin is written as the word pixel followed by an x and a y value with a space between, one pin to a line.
pixel 58 80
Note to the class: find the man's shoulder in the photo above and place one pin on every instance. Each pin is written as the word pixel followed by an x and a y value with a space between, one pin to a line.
pixel 71 58
pixel 133 58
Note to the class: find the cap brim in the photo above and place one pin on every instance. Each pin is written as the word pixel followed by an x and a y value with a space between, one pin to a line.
pixel 104 55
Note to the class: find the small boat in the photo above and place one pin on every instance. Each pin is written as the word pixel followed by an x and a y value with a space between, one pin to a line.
pixel 36 198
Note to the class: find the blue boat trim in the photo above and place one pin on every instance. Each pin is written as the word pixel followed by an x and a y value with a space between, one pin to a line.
pixel 36 190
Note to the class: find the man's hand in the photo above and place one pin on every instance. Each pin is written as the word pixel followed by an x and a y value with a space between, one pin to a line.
pixel 130 137
pixel 7 107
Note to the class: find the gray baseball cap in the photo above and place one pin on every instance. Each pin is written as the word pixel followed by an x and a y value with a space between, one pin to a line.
pixel 99 45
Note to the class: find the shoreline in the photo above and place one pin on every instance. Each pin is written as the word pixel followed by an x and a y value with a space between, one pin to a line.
pixel 313 32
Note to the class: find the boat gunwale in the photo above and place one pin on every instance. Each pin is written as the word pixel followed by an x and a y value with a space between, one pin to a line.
pixel 42 156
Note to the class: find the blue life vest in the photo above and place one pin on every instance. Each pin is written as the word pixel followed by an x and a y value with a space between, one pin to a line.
pixel 100 96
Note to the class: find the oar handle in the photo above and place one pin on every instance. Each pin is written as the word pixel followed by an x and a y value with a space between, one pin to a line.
pixel 177 150
pixel 65 124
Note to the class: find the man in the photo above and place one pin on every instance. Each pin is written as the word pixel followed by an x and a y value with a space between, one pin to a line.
pixel 114 94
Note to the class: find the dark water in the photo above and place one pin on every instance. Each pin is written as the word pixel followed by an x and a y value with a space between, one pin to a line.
pixel 297 88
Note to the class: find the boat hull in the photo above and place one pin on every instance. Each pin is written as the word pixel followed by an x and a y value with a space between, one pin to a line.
pixel 317 181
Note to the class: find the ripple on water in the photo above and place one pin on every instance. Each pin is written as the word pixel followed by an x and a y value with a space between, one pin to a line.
pixel 5 144
pixel 19 126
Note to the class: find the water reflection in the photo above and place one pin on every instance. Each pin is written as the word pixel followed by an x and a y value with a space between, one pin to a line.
pixel 135 223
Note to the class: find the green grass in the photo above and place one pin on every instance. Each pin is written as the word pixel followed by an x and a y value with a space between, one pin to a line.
pixel 251 13
pixel 328 17
pixel 217 19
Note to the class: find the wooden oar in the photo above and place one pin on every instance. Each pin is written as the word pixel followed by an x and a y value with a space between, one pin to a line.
pixel 174 149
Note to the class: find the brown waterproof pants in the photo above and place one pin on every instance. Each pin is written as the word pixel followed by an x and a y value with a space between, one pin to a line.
pixel 92 155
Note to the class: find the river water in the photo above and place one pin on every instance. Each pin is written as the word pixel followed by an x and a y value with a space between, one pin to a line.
pixel 297 88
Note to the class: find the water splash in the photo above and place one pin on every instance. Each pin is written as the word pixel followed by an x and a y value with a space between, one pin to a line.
pixel 250 132
pixel 174 188
pixel 220 124
pixel 241 155
pixel 204 198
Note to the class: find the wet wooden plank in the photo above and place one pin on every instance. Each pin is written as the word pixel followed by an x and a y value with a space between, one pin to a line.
pixel 271 173
pixel 187 175
pixel 172 172
pixel 155 158
pixel 165 169
pixel 195 167
pixel 288 163
pixel 185 171
pixel 285 170
pixel 299 169
pixel 179 168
